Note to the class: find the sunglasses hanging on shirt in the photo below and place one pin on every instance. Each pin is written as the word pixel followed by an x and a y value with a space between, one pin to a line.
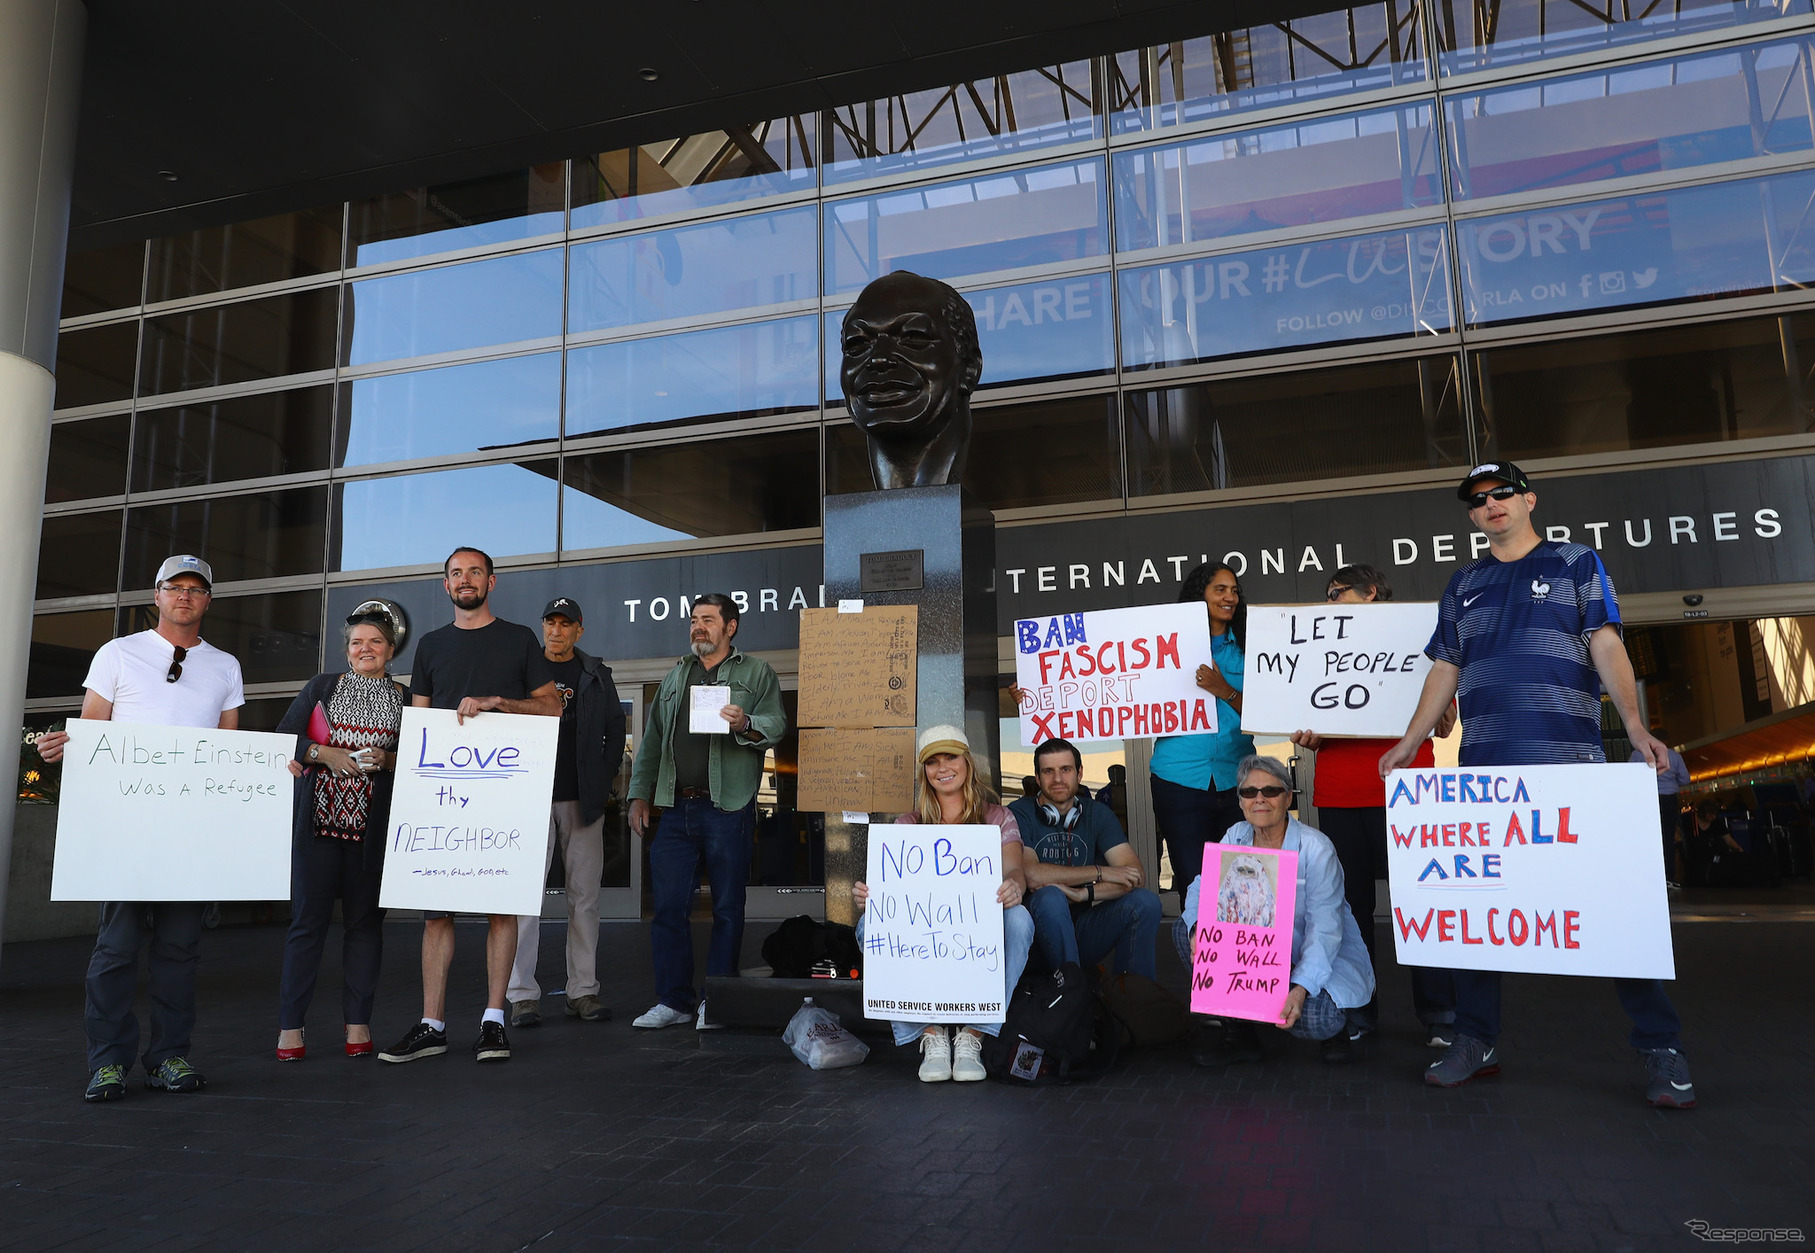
pixel 176 664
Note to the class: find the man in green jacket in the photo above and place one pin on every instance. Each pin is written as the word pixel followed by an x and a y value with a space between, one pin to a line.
pixel 716 714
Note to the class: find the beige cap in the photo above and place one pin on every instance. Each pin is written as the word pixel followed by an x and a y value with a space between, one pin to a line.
pixel 941 739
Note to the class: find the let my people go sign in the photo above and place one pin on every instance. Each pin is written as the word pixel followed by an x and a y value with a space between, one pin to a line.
pixel 1114 674
pixel 1351 670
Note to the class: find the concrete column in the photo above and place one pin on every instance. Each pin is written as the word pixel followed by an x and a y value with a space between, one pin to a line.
pixel 40 83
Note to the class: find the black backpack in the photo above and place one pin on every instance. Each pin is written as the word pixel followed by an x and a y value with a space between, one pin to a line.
pixel 1056 1031
pixel 801 942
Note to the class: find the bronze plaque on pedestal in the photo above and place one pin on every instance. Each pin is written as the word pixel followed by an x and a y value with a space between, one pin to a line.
pixel 892 572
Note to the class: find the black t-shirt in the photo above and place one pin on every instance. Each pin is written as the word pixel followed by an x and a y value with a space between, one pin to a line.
pixel 498 659
pixel 692 751
pixel 566 675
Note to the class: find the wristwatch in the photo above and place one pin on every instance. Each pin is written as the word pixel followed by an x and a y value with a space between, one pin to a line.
pixel 314 752
pixel 1099 877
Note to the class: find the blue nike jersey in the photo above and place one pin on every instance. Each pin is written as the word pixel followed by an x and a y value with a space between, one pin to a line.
pixel 1518 631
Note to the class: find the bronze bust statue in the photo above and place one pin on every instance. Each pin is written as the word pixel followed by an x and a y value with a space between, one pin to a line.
pixel 911 362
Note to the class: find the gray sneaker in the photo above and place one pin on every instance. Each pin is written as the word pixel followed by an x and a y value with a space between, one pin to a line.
pixel 588 1009
pixel 525 1013
pixel 1467 1058
pixel 1670 1086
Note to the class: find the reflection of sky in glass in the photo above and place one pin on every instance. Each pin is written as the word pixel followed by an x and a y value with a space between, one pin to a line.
pixel 711 267
pixel 462 408
pixel 499 301
pixel 660 190
pixel 762 367
pixel 415 519
pixel 474 235
pixel 1579 31
pixel 588 522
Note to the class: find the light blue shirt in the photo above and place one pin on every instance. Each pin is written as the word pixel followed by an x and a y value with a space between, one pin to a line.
pixel 1327 952
pixel 1208 761
pixel 1673 778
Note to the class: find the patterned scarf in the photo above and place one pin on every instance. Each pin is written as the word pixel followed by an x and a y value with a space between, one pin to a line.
pixel 364 712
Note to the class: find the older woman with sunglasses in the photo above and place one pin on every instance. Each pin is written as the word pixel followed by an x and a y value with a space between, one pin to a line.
pixel 1331 974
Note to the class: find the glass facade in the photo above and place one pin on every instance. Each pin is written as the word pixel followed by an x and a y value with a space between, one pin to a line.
pixel 1412 236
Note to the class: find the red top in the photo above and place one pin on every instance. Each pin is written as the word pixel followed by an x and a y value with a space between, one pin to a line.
pixel 1348 773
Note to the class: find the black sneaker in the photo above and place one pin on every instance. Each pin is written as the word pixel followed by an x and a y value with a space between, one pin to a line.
pixel 108 1083
pixel 492 1044
pixel 1237 1042
pixel 1670 1086
pixel 1336 1050
pixel 421 1041
pixel 175 1074
pixel 1464 1060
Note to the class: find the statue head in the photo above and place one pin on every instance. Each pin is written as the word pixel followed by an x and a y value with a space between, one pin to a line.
pixel 911 362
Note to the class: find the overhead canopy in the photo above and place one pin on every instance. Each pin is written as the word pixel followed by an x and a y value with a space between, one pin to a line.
pixel 1781 739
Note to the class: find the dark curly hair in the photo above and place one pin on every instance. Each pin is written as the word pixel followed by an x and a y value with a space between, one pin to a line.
pixel 1198 582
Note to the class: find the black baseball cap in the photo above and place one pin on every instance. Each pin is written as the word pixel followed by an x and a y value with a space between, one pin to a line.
pixel 1505 471
pixel 568 609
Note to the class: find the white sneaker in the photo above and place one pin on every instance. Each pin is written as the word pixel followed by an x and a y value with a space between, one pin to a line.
pixel 935 1056
pixel 967 1056
pixel 700 1023
pixel 661 1016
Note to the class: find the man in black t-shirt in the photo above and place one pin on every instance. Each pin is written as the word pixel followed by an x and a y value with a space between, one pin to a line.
pixel 477 653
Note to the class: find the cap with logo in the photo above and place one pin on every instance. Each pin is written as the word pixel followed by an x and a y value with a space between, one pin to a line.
pixel 567 608
pixel 941 739
pixel 183 563
pixel 1505 471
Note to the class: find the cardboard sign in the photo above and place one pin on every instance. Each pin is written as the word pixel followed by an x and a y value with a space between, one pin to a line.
pixel 859 669
pixel 872 771
pixel 932 933
pixel 173 814
pixel 1546 869
pixel 1347 670
pixel 469 817
pixel 1113 674
pixel 1242 966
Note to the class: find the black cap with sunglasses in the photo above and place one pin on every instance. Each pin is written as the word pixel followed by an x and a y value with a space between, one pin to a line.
pixel 1505 471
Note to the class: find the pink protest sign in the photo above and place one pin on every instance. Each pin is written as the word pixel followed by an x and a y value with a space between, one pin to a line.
pixel 1243 960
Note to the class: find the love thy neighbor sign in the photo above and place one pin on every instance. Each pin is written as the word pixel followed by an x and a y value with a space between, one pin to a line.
pixel 469 816
pixel 932 932
pixel 1346 670
pixel 1112 674
pixel 1544 869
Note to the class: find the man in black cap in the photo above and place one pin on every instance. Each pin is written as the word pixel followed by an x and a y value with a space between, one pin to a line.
pixel 588 757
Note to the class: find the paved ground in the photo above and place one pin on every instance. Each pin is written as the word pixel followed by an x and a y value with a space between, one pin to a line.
pixel 599 1135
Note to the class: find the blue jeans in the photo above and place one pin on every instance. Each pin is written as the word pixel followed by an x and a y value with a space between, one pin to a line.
pixel 695 833
pixel 113 977
pixel 1655 1023
pixel 1189 818
pixel 1126 926
pixel 1017 942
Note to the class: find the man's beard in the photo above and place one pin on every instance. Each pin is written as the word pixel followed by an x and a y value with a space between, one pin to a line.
pixel 474 592
pixel 702 648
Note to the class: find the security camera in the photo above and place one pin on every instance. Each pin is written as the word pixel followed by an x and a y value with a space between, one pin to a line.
pixel 1693 599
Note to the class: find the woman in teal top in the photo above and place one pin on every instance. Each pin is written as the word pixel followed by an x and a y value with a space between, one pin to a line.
pixel 1194 775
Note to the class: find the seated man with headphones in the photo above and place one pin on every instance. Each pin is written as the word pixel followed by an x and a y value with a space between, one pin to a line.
pixel 1084 890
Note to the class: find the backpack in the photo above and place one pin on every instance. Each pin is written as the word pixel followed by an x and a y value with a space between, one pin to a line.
pixel 802 942
pixel 1055 1031
pixel 1146 1012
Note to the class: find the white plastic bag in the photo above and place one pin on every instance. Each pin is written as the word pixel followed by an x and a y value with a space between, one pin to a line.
pixel 819 1040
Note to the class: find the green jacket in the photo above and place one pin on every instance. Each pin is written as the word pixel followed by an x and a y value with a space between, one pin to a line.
pixel 736 762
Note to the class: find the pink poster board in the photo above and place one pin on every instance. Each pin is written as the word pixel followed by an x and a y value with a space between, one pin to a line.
pixel 1242 965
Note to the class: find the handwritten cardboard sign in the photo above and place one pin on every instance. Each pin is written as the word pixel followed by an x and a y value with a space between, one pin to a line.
pixel 1347 670
pixel 859 669
pixel 871 771
pixel 173 814
pixel 1546 869
pixel 1112 674
pixel 1242 966
pixel 469 817
pixel 932 933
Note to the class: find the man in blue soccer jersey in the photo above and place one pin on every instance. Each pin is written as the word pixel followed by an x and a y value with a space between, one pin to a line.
pixel 1526 638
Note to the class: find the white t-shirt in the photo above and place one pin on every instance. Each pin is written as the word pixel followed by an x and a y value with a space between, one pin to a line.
pixel 130 672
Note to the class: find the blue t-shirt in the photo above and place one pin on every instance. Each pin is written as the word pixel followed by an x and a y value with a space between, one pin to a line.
pixel 1208 761
pixel 1086 843
pixel 1518 631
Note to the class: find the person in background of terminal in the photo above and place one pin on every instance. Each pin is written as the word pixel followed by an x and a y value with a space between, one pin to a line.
pixel 1670 784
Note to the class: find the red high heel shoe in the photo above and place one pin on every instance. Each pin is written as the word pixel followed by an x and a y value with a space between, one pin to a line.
pixel 291 1055
pixel 362 1049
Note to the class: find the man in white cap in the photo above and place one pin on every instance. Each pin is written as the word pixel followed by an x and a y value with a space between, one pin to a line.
pixel 167 676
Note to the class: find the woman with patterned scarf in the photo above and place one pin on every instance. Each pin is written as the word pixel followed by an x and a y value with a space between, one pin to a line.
pixel 346 757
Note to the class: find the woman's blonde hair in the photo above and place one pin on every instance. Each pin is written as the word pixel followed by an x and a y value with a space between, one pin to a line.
pixel 978 796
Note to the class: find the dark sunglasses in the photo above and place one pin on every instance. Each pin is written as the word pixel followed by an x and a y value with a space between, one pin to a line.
pixel 1504 492
pixel 1336 593
pixel 176 664
pixel 1272 792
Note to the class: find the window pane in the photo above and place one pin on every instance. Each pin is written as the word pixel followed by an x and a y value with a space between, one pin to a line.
pixel 695 172
pixel 237 343
pixel 95 366
pixel 1707 383
pixel 275 635
pixel 1659 115
pixel 259 536
pixel 1302 60
pixel 989 117
pixel 716 487
pixel 500 301
pixel 290 245
pixel 946 231
pixel 1275 299
pixel 98 279
pixel 711 267
pixel 1330 423
pixel 427 220
pixel 1238 184
pixel 1477 37
pixel 79 554
pixel 416 519
pixel 247 437
pixel 62 646
pixel 462 408
pixel 87 458
pixel 1693 243
pixel 1049 453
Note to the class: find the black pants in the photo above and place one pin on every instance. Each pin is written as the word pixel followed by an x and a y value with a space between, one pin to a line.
pixel 1189 818
pixel 323 869
pixel 113 978
pixel 1670 816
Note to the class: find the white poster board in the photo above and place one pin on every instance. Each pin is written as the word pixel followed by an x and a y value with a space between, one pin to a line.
pixel 1346 670
pixel 469 817
pixel 932 932
pixel 1544 869
pixel 173 814
pixel 1113 674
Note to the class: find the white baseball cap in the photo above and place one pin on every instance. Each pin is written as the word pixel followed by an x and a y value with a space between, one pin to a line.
pixel 184 563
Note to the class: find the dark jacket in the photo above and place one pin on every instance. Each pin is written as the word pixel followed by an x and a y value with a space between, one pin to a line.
pixel 599 723
pixel 320 690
